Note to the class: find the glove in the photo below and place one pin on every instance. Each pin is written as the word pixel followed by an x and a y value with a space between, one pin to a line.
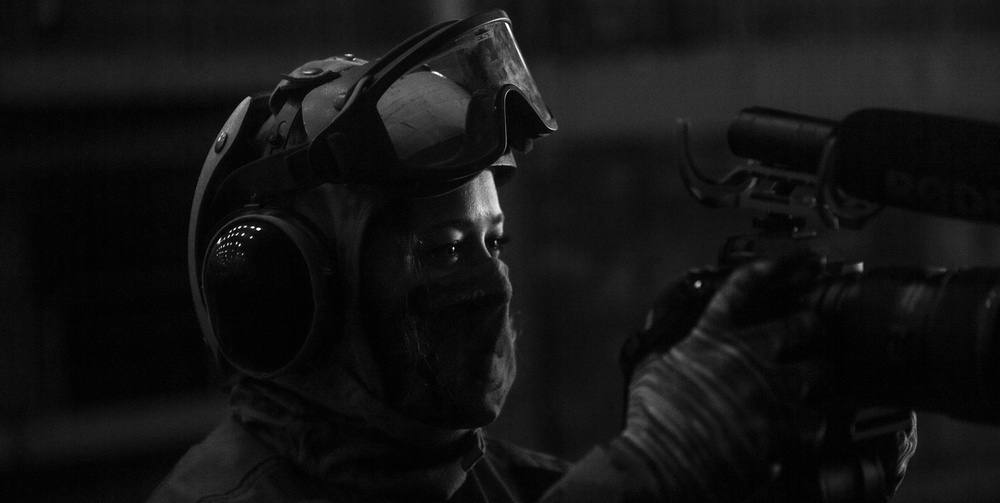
pixel 672 317
pixel 678 309
pixel 708 419
pixel 896 459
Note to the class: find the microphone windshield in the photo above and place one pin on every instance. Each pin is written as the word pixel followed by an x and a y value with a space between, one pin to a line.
pixel 930 163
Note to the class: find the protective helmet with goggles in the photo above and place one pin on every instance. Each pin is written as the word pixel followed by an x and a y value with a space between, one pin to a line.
pixel 423 119
pixel 349 140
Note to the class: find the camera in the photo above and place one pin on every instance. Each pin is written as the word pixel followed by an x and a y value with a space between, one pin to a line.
pixel 904 337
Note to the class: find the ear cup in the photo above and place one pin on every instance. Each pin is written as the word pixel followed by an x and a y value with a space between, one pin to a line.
pixel 267 284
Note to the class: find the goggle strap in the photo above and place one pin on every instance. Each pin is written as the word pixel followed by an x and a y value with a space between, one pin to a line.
pixel 268 177
pixel 336 155
pixel 332 149
pixel 291 85
pixel 410 53
pixel 277 138
pixel 405 46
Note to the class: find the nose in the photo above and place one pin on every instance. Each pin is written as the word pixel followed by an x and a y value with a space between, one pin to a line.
pixel 482 250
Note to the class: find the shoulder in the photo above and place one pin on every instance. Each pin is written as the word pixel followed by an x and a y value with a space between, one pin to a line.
pixel 231 465
pixel 527 472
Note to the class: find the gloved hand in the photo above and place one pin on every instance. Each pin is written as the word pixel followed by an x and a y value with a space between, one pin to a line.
pixel 717 395
pixel 710 418
pixel 897 456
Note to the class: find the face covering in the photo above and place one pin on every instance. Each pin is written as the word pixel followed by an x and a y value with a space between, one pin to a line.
pixel 446 352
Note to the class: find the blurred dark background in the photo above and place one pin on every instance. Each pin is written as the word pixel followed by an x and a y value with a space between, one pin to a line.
pixel 108 108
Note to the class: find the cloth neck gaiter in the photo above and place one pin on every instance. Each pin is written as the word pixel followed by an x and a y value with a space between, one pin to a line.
pixel 357 458
pixel 447 356
pixel 337 429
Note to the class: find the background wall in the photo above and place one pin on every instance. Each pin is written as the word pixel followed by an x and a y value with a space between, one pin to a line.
pixel 108 108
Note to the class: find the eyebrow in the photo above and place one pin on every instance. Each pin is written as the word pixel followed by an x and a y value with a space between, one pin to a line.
pixel 464 223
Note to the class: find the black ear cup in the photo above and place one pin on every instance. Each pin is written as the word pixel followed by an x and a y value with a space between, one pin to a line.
pixel 267 284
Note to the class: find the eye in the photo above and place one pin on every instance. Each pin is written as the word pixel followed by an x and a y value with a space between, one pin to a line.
pixel 497 244
pixel 449 250
pixel 442 254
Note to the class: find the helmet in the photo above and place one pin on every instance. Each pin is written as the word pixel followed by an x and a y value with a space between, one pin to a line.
pixel 424 119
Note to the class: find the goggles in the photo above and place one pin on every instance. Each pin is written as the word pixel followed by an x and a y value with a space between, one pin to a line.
pixel 440 107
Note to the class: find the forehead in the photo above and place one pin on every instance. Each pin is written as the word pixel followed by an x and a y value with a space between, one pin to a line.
pixel 473 201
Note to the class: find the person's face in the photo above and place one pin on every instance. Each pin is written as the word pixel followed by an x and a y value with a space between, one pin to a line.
pixel 451 366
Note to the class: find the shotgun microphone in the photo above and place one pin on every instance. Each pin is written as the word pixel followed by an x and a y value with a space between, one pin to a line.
pixel 936 164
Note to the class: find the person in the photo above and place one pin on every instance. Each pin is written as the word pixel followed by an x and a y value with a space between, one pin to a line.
pixel 344 256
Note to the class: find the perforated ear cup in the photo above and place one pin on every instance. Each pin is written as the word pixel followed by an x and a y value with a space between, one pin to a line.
pixel 269 289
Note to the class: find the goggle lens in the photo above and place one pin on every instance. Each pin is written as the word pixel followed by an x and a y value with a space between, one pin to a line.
pixel 451 108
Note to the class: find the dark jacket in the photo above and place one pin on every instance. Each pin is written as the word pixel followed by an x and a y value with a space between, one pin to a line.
pixel 231 465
